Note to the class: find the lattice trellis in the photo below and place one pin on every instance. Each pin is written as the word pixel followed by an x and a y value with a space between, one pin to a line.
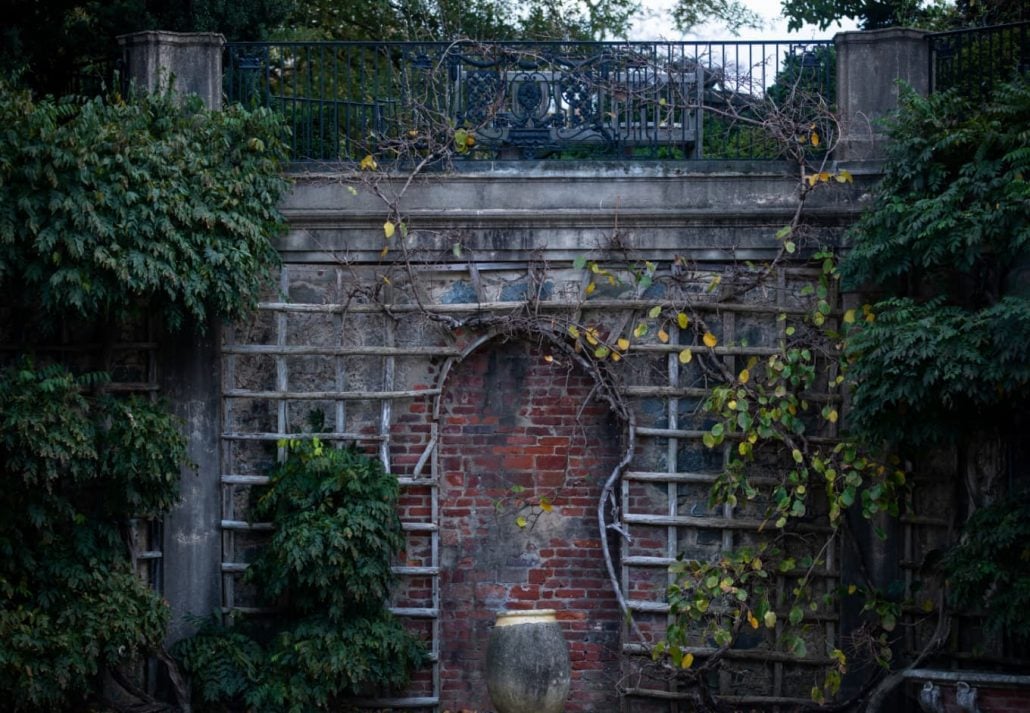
pixel 674 529
pixel 317 349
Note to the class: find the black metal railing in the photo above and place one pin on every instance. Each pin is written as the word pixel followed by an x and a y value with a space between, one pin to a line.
pixel 574 100
pixel 974 61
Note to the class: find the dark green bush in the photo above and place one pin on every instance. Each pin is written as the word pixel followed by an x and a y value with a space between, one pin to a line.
pixel 328 567
pixel 74 468
pixel 107 206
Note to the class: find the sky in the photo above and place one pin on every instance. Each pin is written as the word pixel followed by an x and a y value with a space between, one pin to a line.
pixel 656 23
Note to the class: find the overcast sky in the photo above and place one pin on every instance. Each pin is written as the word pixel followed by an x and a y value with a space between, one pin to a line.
pixel 656 23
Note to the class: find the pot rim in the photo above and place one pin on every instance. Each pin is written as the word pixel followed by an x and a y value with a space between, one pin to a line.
pixel 529 616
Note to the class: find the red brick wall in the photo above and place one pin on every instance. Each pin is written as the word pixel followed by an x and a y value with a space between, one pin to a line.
pixel 511 419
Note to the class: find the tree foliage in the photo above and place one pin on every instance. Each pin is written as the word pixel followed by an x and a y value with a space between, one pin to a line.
pixel 75 466
pixel 732 14
pixel 70 45
pixel 950 221
pixel 328 566
pixel 108 204
pixel 878 14
pixel 449 19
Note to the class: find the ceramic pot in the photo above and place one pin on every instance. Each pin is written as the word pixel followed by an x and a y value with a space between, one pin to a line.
pixel 527 663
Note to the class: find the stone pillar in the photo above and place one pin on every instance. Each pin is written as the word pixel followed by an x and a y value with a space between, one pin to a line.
pixel 869 67
pixel 190 379
pixel 192 60
pixel 190 370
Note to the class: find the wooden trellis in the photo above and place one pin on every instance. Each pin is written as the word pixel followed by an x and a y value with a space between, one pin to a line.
pixel 259 410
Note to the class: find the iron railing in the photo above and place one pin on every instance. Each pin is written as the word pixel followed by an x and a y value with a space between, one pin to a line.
pixel 974 61
pixel 659 100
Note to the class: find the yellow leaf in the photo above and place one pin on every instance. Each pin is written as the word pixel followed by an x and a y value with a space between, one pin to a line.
pixel 687 661
pixel 852 589
pixel 752 620
pixel 815 138
pixel 682 321
pixel 386 280
pixel 849 316
pixel 388 229
pixel 844 177
pixel 545 505
pixel 832 416
pixel 548 358
pixel 824 176
pixel 591 287
pixel 685 356
pixel 616 356
pixel 591 337
pixel 743 448
pixel 384 251
pixel 623 343
pixel 710 340
pixel 811 179
pixel 663 336
pixel 368 163
pixel 745 376
pixel 573 332
pixel 520 521
pixel 770 619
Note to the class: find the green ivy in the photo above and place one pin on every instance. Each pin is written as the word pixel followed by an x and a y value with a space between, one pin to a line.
pixel 109 207
pixel 950 220
pixel 75 466
pixel 988 569
pixel 923 371
pixel 328 567
pixel 954 194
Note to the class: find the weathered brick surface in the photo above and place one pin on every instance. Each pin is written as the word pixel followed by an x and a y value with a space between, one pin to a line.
pixel 517 428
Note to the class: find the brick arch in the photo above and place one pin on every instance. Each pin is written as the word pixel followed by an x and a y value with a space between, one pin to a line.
pixel 516 427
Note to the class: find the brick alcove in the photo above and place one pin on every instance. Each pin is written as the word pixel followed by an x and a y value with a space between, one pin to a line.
pixel 516 427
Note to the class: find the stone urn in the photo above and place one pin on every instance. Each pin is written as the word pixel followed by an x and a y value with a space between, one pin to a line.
pixel 527 663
